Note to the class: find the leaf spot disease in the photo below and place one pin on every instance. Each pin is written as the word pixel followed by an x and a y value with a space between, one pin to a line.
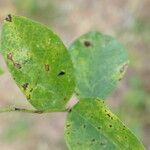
pixel 99 128
pixel 25 86
pixel 93 140
pixel 108 115
pixel 87 43
pixel 110 126
pixel 102 144
pixel 9 18
pixel 84 126
pixel 68 125
pixel 47 68
pixel 123 68
pixel 61 73
pixel 10 57
pixel 17 65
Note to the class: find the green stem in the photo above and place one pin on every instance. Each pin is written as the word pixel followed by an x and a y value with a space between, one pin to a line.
pixel 16 109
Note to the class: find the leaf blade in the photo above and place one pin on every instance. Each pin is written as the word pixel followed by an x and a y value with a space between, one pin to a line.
pixel 91 126
pixel 35 56
pixel 99 61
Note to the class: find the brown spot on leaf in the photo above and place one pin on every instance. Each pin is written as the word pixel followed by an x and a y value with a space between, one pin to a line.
pixel 102 144
pixel 31 89
pixel 110 126
pixel 108 115
pixel 123 68
pixel 17 65
pixel 87 43
pixel 99 128
pixel 25 86
pixel 9 18
pixel 10 56
pixel 29 97
pixel 47 67
pixel 93 140
pixel 70 110
pixel 68 125
pixel 61 73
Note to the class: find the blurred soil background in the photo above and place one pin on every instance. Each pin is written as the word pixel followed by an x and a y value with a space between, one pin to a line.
pixel 127 20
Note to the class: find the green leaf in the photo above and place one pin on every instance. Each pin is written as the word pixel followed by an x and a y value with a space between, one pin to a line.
pixel 99 61
pixel 91 126
pixel 39 63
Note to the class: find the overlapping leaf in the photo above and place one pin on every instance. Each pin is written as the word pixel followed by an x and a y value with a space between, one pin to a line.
pixel 99 61
pixel 92 126
pixel 38 62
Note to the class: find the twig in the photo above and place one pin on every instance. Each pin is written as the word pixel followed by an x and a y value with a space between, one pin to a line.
pixel 16 109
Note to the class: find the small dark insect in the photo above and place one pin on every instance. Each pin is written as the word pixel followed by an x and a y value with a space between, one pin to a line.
pixel 9 18
pixel 87 43
pixel 61 73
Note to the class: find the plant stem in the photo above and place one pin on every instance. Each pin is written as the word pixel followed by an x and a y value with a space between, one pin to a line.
pixel 16 109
